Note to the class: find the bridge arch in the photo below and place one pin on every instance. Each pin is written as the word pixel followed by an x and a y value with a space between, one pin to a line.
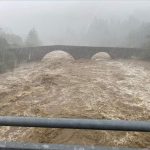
pixel 101 56
pixel 57 56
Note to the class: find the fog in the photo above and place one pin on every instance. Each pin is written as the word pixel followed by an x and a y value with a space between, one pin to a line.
pixel 98 23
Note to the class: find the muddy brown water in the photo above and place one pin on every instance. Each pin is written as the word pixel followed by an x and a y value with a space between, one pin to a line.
pixel 113 89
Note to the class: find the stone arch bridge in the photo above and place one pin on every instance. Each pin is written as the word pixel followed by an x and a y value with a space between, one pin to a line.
pixel 37 53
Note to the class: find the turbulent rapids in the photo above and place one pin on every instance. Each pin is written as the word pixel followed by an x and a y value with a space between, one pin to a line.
pixel 101 89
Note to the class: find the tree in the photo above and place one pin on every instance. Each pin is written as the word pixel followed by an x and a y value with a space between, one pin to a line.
pixel 32 39
pixel 7 57
pixel 12 39
pixel 3 43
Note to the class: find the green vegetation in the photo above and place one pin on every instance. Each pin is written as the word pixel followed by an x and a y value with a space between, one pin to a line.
pixel 8 58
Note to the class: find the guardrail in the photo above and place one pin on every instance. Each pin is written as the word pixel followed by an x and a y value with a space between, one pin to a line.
pixel 29 146
pixel 117 125
pixel 93 124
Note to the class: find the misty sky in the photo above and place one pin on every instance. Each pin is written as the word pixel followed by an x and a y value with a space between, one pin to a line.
pixel 52 18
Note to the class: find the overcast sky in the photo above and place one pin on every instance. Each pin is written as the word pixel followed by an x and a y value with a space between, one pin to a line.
pixel 49 16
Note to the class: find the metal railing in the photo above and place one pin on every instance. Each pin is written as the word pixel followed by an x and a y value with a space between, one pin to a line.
pixel 93 124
